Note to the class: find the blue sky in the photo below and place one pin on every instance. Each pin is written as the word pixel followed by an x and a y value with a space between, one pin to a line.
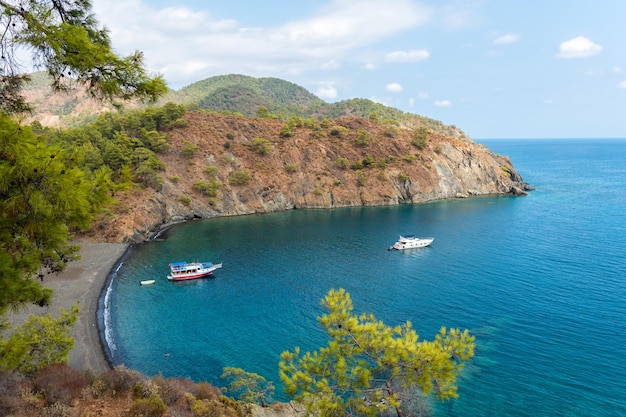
pixel 494 68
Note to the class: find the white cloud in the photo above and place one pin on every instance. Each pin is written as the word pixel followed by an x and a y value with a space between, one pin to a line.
pixel 579 47
pixel 622 84
pixel 443 103
pixel 617 70
pixel 507 39
pixel 327 92
pixel 187 44
pixel 393 87
pixel 414 55
pixel 370 67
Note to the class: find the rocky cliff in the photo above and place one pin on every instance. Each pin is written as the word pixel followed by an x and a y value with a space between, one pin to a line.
pixel 226 165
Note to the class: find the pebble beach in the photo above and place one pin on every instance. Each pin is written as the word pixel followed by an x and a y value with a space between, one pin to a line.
pixel 81 281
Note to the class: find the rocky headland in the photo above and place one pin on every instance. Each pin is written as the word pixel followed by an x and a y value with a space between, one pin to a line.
pixel 227 165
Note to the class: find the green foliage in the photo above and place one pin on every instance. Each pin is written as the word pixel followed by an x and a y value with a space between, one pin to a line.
pixel 409 158
pixel 208 188
pixel 211 171
pixel 153 406
pixel 263 113
pixel 286 131
pixel 357 165
pixel 342 162
pixel 66 40
pixel 248 387
pixel 124 142
pixel 261 146
pixel 402 177
pixel 420 137
pixel 239 178
pixel 189 149
pixel 291 168
pixel 339 131
pixel 185 199
pixel 44 197
pixel 368 367
pixel 230 136
pixel 362 138
pixel 368 161
pixel 39 342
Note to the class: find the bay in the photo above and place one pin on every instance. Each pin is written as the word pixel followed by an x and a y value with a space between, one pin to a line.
pixel 540 280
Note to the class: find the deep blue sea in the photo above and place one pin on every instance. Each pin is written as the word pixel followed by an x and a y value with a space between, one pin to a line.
pixel 539 280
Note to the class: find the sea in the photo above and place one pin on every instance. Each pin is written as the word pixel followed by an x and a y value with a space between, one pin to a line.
pixel 540 280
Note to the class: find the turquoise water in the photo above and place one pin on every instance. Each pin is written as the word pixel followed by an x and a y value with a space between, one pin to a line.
pixel 540 280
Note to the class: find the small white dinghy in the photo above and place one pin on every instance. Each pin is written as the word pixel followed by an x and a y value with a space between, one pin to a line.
pixel 147 282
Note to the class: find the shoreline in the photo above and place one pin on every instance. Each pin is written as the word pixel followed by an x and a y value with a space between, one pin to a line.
pixel 83 280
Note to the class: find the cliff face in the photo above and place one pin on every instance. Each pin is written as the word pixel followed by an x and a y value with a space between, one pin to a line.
pixel 222 165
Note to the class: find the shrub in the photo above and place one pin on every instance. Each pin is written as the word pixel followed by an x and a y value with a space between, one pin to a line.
pixel 189 149
pixel 338 131
pixel 368 161
pixel 207 188
pixel 226 145
pixel 420 136
pixel 402 177
pixel 287 131
pixel 10 384
pixel 409 158
pixel 357 165
pixel 152 406
pixel 438 149
pixel 239 178
pixel 180 122
pixel 120 379
pixel 59 383
pixel 342 162
pixel 362 138
pixel 211 171
pixel 261 146
pixel 174 179
pixel 291 168
pixel 185 199
pixel 230 136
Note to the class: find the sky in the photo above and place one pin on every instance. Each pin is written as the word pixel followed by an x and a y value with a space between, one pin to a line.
pixel 493 68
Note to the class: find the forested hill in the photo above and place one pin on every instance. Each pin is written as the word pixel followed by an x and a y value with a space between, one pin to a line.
pixel 233 93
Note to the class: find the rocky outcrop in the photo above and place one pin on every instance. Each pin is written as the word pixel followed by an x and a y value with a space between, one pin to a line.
pixel 225 165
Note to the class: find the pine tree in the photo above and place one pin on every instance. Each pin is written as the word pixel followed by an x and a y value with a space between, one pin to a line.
pixel 66 39
pixel 368 367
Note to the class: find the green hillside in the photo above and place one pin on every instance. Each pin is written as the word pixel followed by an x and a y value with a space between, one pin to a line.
pixel 243 94
pixel 238 94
